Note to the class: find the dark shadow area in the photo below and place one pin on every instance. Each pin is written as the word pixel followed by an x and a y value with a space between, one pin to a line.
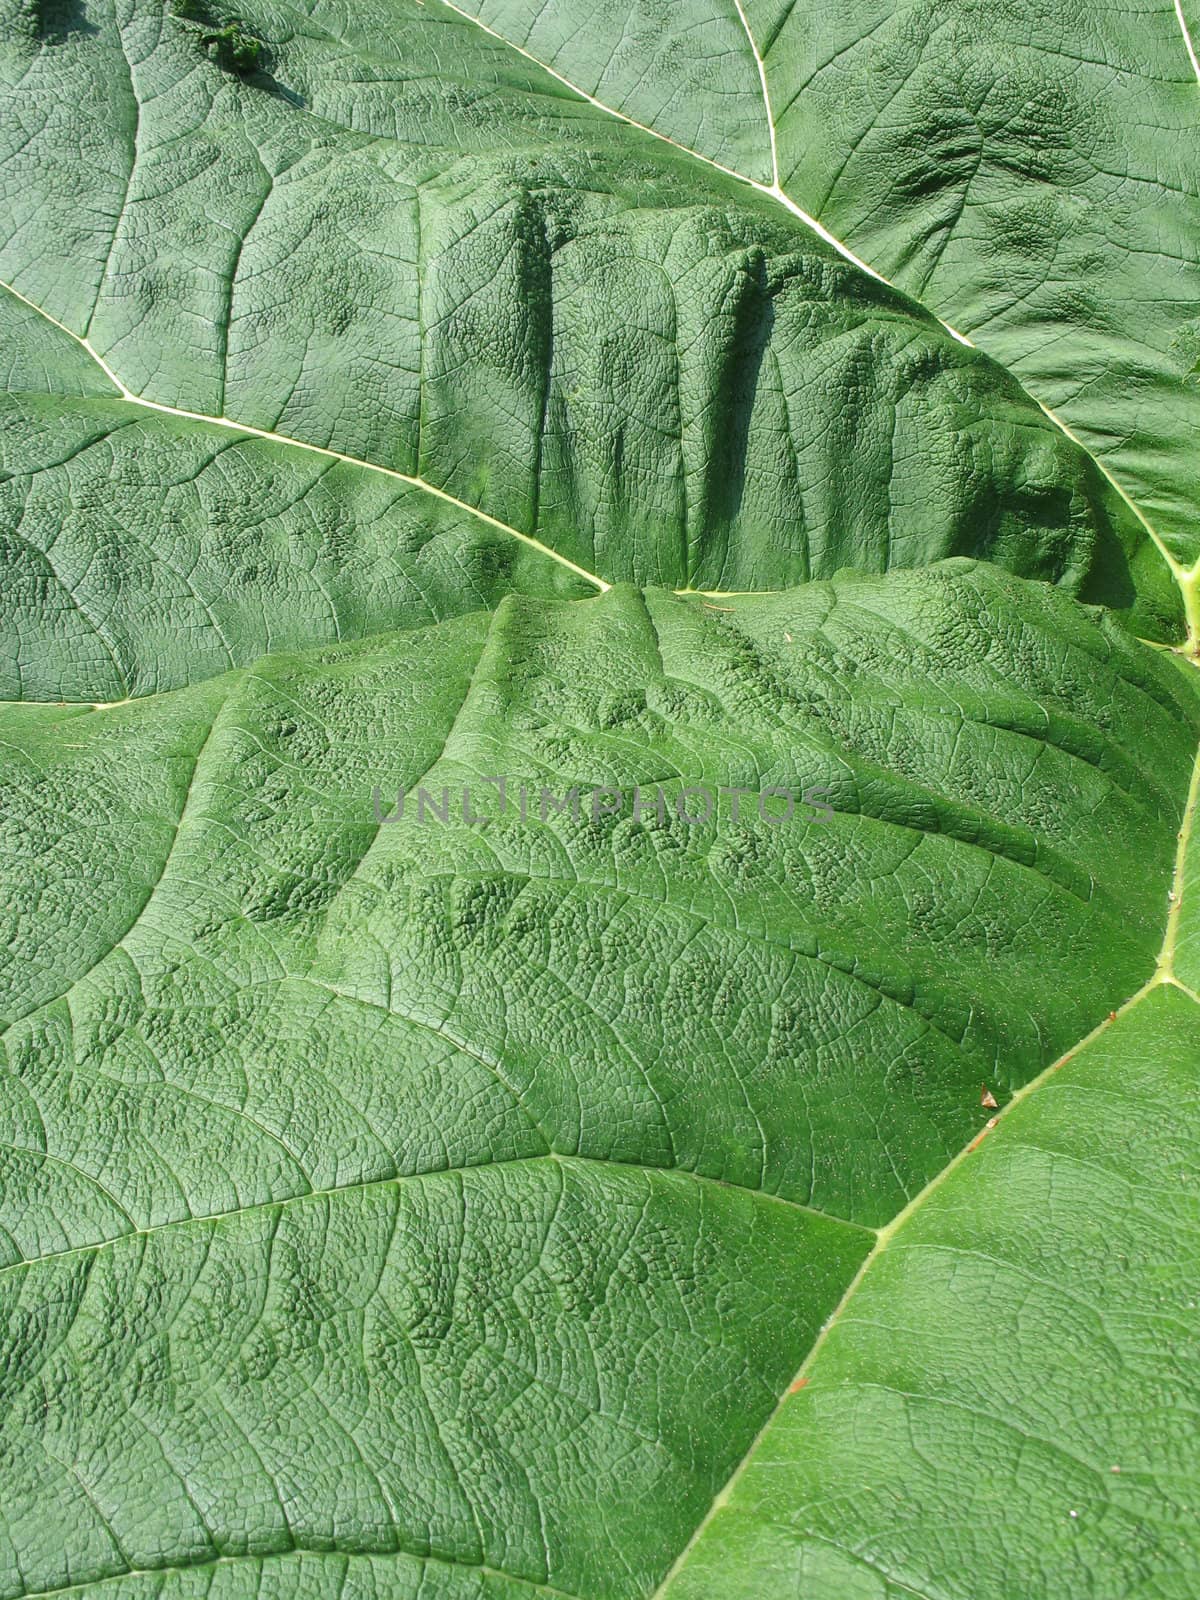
pixel 57 21
pixel 269 85
pixel 753 325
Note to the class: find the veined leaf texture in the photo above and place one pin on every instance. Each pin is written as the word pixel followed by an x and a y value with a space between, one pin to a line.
pixel 598 764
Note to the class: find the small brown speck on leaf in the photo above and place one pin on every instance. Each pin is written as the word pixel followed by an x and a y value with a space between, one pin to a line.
pixel 987 1098
pixel 799 1384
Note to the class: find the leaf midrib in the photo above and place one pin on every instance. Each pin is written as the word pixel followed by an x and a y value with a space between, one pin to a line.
pixel 1187 39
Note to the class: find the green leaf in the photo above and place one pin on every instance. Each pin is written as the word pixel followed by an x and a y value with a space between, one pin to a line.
pixel 1030 171
pixel 401 244
pixel 411 1189
pixel 1000 1406
pixel 144 550
pixel 1027 169
pixel 587 1007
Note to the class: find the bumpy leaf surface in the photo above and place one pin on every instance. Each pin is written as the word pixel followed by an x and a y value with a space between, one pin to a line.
pixel 398 240
pixel 1027 167
pixel 415 1187
pixel 634 1180
pixel 933 1416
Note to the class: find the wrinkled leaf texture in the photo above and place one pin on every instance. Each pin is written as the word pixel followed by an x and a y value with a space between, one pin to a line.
pixel 593 1204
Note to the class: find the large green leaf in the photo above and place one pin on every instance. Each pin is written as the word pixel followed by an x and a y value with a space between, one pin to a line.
pixel 400 242
pixel 415 1188
pixel 490 1196
pixel 1030 169
pixel 1005 1405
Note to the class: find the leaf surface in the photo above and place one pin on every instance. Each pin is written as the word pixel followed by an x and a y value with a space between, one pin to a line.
pixel 399 242
pixel 589 1008
pixel 1028 170
pixel 410 1188
pixel 949 1403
